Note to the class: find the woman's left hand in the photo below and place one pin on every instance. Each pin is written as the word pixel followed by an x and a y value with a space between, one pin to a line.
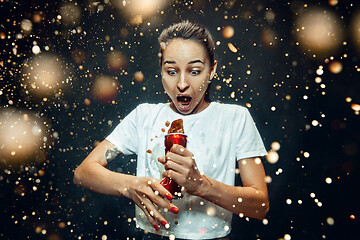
pixel 180 165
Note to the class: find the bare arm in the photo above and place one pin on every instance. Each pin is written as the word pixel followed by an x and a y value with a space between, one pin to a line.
pixel 250 200
pixel 92 174
pixel 144 191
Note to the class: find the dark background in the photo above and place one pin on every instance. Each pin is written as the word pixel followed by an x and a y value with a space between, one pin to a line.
pixel 281 75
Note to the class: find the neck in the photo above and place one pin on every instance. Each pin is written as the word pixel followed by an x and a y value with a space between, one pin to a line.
pixel 202 105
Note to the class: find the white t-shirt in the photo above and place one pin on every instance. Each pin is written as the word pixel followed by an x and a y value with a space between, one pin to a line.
pixel 218 136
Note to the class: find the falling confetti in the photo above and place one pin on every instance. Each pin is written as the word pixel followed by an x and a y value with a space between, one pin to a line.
pixel 232 47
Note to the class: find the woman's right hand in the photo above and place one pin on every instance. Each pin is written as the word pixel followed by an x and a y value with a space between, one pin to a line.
pixel 146 192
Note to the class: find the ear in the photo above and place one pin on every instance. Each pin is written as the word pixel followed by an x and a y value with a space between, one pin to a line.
pixel 213 70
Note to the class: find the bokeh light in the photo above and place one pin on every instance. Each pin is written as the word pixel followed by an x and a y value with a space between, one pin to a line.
pixel 335 67
pixel 287 237
pixel 268 37
pixel 275 146
pixel 228 32
pixel 139 76
pixel 21 136
pixel 330 221
pixel 70 14
pixel 44 74
pixel 211 211
pixel 319 31
pixel 333 2
pixel 355 29
pixel 26 25
pixel 137 10
pixel 105 88
pixel 272 157
pixel 78 55
pixel 356 108
pixel 38 17
pixel 116 60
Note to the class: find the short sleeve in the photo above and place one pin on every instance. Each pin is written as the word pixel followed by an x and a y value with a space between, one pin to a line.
pixel 247 137
pixel 125 136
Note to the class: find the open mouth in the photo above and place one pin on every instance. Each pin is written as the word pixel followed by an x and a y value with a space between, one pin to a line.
pixel 184 102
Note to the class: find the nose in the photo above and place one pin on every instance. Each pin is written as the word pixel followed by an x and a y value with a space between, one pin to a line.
pixel 183 84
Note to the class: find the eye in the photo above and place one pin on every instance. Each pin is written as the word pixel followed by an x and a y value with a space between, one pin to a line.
pixel 194 72
pixel 171 72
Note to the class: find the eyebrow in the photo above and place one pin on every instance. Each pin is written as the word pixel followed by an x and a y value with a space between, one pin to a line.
pixel 196 61
pixel 169 62
pixel 191 62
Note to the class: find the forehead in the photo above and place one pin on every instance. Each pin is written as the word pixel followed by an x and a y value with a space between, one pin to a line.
pixel 180 50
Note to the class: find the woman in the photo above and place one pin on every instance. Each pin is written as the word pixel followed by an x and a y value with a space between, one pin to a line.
pixel 219 135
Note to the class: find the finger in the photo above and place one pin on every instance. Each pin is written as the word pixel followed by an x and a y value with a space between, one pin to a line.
pixel 172 165
pixel 152 213
pixel 176 148
pixel 166 205
pixel 143 204
pixel 162 159
pixel 178 178
pixel 181 160
pixel 159 201
pixel 160 189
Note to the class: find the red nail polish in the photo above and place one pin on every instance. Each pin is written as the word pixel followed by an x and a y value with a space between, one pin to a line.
pixel 174 209
pixel 164 223
pixel 156 227
pixel 169 196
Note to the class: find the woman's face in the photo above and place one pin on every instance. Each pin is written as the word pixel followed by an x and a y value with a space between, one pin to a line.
pixel 185 74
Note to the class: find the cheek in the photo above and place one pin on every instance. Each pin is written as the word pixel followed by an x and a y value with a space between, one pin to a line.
pixel 165 84
pixel 163 80
pixel 203 85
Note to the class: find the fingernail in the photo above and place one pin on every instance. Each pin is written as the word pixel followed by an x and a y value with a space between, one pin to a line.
pixel 164 223
pixel 157 227
pixel 174 209
pixel 169 196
